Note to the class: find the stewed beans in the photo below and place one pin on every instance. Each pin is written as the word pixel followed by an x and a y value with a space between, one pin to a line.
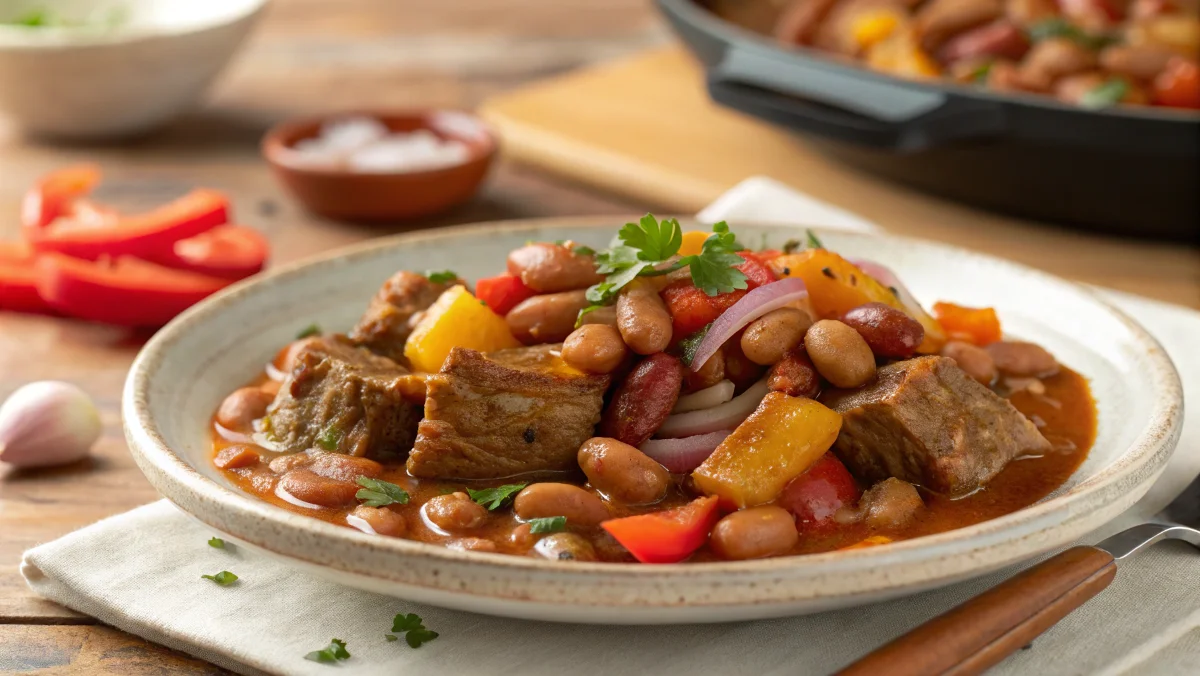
pixel 595 348
pixel 243 407
pixel 643 319
pixel 622 472
pixel 539 501
pixel 455 512
pixel 549 318
pixel 549 268
pixel 840 354
pixel 769 337
pixel 755 533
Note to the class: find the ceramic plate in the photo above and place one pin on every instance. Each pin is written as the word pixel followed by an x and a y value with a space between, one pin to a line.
pixel 188 367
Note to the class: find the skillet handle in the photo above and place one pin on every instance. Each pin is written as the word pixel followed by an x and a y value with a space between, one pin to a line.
pixel 984 630
pixel 862 108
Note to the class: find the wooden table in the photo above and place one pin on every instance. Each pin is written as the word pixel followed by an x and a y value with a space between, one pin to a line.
pixel 308 55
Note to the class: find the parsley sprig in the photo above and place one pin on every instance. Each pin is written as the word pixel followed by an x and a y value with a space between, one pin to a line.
pixel 216 542
pixel 548 524
pixel 223 578
pixel 441 276
pixel 336 651
pixel 379 493
pixel 494 498
pixel 411 625
pixel 645 249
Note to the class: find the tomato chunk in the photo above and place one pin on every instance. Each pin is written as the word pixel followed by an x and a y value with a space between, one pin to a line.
pixel 815 496
pixel 691 309
pixel 669 536
pixel 1179 85
pixel 980 326
pixel 502 292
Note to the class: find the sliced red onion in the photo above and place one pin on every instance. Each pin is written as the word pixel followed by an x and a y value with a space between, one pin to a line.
pixel 707 398
pixel 681 456
pixel 753 305
pixel 884 275
pixel 724 417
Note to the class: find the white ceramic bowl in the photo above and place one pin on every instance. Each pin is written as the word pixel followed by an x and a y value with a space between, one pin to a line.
pixel 188 367
pixel 94 82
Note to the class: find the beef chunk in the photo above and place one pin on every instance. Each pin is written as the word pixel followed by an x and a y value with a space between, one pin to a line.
pixel 511 412
pixel 394 311
pixel 344 399
pixel 927 422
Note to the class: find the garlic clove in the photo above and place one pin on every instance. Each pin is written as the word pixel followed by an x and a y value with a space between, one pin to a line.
pixel 47 423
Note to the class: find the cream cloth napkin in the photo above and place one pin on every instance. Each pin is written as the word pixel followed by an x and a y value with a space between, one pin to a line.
pixel 140 571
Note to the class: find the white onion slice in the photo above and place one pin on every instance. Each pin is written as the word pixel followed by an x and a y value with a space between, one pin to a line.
pixel 753 305
pixel 681 456
pixel 360 523
pixel 707 398
pixel 724 417
pixel 230 435
pixel 274 373
pixel 288 497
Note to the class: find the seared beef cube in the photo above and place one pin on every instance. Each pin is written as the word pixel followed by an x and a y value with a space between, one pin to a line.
pixel 344 399
pixel 510 412
pixel 394 312
pixel 927 422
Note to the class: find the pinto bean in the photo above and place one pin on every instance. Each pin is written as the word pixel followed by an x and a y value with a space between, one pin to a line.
pixel 643 319
pixel 769 337
pixel 286 463
pixel 888 331
pixel 549 318
pixel 795 375
pixel 890 504
pixel 455 512
pixel 344 467
pixel 938 20
pixel 973 360
pixel 738 367
pixel 1143 62
pixel 710 373
pixel 549 268
pixel 622 472
pixel 472 545
pixel 242 407
pixel 798 22
pixel 286 360
pixel 643 400
pixel 1025 13
pixel 1018 358
pixel 523 536
pixel 999 39
pixel 1052 59
pixel 565 547
pixel 541 500
pixel 309 486
pixel 754 533
pixel 381 520
pixel 840 354
pixel 595 348
pixel 238 455
pixel 602 315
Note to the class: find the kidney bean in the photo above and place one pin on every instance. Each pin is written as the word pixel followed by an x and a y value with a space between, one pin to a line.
pixel 769 337
pixel 1018 358
pixel 795 375
pixel 382 520
pixel 595 348
pixel 643 400
pixel 710 373
pixel 997 39
pixel 840 354
pixel 888 331
pixel 344 467
pixel 738 367
pixel 308 486
pixel 890 504
pixel 242 407
pixel 238 455
pixel 565 547
pixel 546 319
pixel 622 472
pixel 643 319
pixel 973 360
pixel 754 533
pixel 939 20
pixel 455 512
pixel 548 268
pixel 606 314
pixel 542 500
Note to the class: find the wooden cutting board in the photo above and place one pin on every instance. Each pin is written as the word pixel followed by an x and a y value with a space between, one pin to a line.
pixel 644 128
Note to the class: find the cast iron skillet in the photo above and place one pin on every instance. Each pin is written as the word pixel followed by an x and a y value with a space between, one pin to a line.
pixel 1128 170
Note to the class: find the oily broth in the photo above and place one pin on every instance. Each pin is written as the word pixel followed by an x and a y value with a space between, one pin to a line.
pixel 1066 410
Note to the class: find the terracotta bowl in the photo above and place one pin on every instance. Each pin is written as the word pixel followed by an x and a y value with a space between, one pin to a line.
pixel 185 371
pixel 360 196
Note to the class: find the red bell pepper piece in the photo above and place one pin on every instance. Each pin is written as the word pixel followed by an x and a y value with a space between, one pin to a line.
pixel 980 326
pixel 668 536
pixel 823 489
pixel 1178 85
pixel 502 292
pixel 54 195
pixel 125 291
pixel 228 251
pixel 18 283
pixel 691 309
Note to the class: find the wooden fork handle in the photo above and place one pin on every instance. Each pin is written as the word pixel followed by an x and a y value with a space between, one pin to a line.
pixel 986 629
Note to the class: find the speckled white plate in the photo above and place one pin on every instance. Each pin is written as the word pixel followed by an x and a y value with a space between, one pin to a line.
pixel 185 370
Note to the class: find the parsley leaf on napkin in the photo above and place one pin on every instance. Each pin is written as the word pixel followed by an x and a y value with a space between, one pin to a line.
pixel 336 651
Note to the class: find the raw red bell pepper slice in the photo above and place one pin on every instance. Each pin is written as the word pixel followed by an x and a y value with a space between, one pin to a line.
pixel 18 282
pixel 669 536
pixel 148 233
pixel 125 291
pixel 817 494
pixel 229 251
pixel 55 193
pixel 502 292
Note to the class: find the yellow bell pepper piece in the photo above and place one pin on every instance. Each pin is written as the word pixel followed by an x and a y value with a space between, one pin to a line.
pixel 693 242
pixel 780 440
pixel 456 319
pixel 900 54
pixel 836 285
pixel 871 27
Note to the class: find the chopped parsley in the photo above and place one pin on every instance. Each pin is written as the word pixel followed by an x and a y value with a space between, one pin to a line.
pixel 391 638
pixel 689 345
pixel 415 633
pixel 791 246
pixel 441 277
pixel 981 72
pixel 1059 27
pixel 812 240
pixel 549 524
pixel 582 250
pixel 330 438
pixel 1105 95
pixel 223 578
pixel 379 493
pixel 309 331
pixel 650 243
pixel 218 543
pixel 494 498
pixel 336 651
